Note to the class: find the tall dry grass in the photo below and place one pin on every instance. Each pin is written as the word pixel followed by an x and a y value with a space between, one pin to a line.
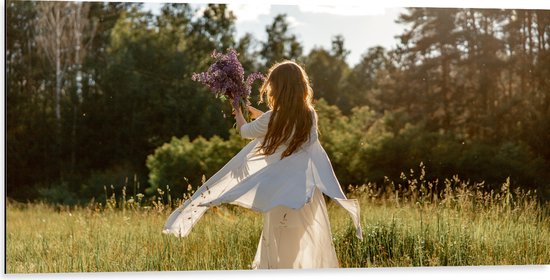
pixel 406 224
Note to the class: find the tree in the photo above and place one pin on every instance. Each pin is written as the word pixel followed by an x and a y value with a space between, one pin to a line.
pixel 55 41
pixel 280 45
pixel 338 49
pixel 83 29
pixel 369 82
pixel 327 72
pixel 477 73
pixel 28 103
pixel 432 48
pixel 64 36
pixel 214 30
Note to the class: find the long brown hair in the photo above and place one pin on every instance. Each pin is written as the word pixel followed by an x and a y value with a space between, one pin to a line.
pixel 289 96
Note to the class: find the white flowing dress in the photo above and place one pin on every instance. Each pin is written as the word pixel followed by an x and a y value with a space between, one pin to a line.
pixel 287 191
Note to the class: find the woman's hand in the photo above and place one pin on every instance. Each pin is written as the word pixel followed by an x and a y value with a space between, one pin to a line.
pixel 238 116
pixel 254 113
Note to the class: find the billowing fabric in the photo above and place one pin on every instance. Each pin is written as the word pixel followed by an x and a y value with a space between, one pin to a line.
pixel 269 184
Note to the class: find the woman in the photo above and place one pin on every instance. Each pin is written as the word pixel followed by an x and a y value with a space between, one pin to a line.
pixel 282 173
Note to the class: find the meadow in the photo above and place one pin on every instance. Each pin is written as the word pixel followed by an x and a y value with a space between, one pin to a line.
pixel 406 223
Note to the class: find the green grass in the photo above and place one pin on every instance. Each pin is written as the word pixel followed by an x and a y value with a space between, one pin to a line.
pixel 466 225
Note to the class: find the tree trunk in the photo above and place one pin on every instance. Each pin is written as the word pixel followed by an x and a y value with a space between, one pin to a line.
pixel 58 78
pixel 73 140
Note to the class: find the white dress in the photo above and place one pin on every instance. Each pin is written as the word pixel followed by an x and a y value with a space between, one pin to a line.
pixel 297 238
pixel 288 191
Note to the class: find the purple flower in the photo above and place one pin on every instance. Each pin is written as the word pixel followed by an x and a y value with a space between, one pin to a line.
pixel 225 77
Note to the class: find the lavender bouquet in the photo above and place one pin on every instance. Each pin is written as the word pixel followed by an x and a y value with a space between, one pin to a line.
pixel 225 78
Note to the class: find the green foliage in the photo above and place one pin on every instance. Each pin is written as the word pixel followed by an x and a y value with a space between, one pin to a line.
pixel 329 76
pixel 280 44
pixel 136 93
pixel 217 25
pixel 369 82
pixel 393 149
pixel 80 191
pixel 341 136
pixel 368 147
pixel 29 124
pixel 463 91
pixel 326 72
pixel 182 162
pixel 363 147
pixel 57 194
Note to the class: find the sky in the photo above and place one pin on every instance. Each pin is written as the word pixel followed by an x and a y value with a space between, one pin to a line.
pixel 315 25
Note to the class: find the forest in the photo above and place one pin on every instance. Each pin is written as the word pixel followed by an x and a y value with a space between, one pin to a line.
pixel 99 96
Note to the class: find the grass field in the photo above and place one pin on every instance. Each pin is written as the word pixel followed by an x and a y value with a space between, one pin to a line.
pixel 466 225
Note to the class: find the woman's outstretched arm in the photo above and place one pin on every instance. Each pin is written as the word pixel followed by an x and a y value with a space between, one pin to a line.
pixel 239 117
pixel 254 129
pixel 254 113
